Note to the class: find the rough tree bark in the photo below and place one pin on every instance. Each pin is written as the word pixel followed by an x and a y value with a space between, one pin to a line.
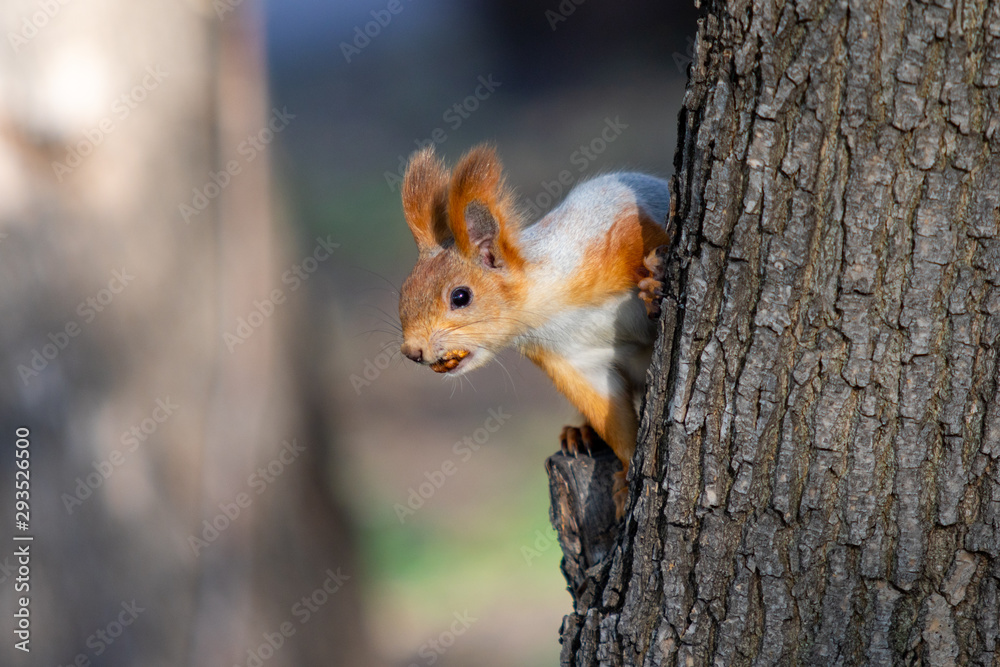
pixel 817 479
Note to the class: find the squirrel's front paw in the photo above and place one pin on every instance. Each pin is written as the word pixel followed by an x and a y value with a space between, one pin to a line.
pixel 651 287
pixel 575 440
pixel 619 492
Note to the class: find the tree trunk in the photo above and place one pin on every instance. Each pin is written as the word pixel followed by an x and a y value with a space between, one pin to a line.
pixel 817 478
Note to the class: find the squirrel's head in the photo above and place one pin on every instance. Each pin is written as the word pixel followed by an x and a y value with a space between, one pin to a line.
pixel 460 304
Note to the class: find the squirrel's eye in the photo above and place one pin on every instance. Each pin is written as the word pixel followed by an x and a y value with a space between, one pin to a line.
pixel 461 297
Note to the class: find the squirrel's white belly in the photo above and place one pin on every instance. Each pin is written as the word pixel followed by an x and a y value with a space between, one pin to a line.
pixel 606 343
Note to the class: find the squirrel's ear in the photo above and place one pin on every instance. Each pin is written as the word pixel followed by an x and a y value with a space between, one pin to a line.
pixel 481 209
pixel 425 194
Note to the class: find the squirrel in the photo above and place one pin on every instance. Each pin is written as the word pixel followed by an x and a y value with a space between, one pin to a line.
pixel 576 292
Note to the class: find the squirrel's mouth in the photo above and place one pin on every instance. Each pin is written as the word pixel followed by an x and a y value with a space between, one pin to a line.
pixel 450 361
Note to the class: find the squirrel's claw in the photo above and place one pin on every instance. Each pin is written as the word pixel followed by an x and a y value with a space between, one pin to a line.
pixel 576 440
pixel 651 288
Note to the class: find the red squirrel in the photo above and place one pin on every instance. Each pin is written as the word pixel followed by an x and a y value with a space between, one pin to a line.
pixel 576 292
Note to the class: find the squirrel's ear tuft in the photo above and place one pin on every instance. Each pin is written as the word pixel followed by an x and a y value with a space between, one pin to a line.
pixel 481 209
pixel 425 194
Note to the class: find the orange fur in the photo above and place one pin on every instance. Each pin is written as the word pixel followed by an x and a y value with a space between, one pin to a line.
pixel 478 177
pixel 614 264
pixel 425 190
pixel 613 417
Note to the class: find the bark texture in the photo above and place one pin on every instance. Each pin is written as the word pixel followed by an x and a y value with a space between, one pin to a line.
pixel 817 479
pixel 583 514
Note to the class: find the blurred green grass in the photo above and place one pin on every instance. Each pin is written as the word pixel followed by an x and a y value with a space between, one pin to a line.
pixel 473 545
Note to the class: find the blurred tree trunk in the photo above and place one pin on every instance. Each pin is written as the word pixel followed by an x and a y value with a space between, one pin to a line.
pixel 818 480
pixel 113 115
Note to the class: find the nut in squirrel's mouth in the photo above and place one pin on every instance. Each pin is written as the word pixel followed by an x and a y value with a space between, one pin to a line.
pixel 449 361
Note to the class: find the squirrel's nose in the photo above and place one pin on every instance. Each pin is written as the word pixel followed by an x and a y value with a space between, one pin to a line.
pixel 412 352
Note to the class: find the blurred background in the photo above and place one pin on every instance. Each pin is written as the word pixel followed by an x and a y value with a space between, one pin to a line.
pixel 201 241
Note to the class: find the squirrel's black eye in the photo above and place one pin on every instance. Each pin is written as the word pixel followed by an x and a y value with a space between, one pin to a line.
pixel 461 297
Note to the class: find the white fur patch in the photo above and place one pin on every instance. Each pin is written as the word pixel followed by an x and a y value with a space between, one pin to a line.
pixel 608 343
pixel 557 242
pixel 603 343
